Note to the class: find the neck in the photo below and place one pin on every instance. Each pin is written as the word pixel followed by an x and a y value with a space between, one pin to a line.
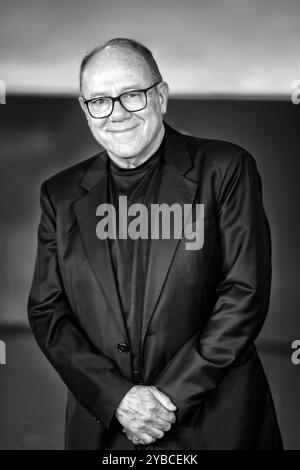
pixel 133 162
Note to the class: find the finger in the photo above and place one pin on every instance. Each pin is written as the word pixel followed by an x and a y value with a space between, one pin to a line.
pixel 157 422
pixel 165 415
pixel 135 440
pixel 163 399
pixel 146 438
pixel 132 437
pixel 140 438
pixel 153 432
pixel 162 424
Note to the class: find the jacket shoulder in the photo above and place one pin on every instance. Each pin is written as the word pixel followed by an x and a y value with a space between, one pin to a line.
pixel 68 180
pixel 217 152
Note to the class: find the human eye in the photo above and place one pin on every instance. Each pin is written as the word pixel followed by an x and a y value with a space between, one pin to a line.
pixel 133 94
pixel 100 101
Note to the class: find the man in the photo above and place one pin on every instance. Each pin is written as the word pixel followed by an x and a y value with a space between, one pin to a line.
pixel 154 341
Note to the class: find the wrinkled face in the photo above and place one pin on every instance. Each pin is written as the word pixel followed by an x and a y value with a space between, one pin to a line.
pixel 124 134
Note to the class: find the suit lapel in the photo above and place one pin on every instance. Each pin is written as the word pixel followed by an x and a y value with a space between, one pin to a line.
pixel 98 252
pixel 174 188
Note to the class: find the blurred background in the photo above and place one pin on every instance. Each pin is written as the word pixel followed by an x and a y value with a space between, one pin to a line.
pixel 232 67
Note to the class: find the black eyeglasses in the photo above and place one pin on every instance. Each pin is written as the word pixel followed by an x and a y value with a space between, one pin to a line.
pixel 133 100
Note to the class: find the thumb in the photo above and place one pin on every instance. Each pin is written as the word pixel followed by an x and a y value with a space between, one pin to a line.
pixel 163 399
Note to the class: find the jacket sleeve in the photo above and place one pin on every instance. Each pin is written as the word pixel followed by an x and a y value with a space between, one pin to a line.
pixel 91 376
pixel 242 291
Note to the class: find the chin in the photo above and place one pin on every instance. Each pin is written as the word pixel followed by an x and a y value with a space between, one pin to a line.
pixel 126 151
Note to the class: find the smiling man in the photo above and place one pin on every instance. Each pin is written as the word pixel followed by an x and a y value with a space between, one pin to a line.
pixel 155 342
pixel 135 128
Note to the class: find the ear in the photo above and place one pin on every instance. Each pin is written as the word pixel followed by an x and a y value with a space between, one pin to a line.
pixel 83 106
pixel 163 93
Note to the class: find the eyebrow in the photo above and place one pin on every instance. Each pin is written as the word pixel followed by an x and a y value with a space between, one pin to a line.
pixel 125 88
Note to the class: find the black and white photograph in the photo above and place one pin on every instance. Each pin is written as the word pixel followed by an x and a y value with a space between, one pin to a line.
pixel 149 165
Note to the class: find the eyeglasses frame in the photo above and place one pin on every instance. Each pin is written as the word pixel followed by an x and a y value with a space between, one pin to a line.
pixel 118 98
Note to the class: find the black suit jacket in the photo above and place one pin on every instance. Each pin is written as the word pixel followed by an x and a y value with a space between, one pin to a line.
pixel 203 308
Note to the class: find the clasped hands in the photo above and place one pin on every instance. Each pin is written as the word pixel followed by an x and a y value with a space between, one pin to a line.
pixel 146 414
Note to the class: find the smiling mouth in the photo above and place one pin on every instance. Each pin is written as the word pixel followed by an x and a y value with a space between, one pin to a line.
pixel 122 130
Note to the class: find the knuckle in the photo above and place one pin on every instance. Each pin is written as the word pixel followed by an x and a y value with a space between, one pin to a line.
pixel 147 440
pixel 148 417
pixel 167 427
pixel 167 417
pixel 152 407
pixel 144 429
pixel 135 428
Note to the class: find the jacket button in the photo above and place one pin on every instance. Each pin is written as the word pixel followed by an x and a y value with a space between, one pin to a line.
pixel 123 348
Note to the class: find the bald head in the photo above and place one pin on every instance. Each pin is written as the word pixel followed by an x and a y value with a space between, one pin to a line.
pixel 113 63
pixel 129 48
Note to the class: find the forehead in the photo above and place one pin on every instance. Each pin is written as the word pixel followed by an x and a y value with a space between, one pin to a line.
pixel 116 66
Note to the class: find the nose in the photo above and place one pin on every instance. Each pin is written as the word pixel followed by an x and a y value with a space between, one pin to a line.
pixel 119 113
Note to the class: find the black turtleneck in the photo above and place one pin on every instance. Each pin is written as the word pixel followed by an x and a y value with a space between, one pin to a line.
pixel 130 257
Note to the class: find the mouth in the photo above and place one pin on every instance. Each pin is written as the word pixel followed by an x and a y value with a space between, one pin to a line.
pixel 122 131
